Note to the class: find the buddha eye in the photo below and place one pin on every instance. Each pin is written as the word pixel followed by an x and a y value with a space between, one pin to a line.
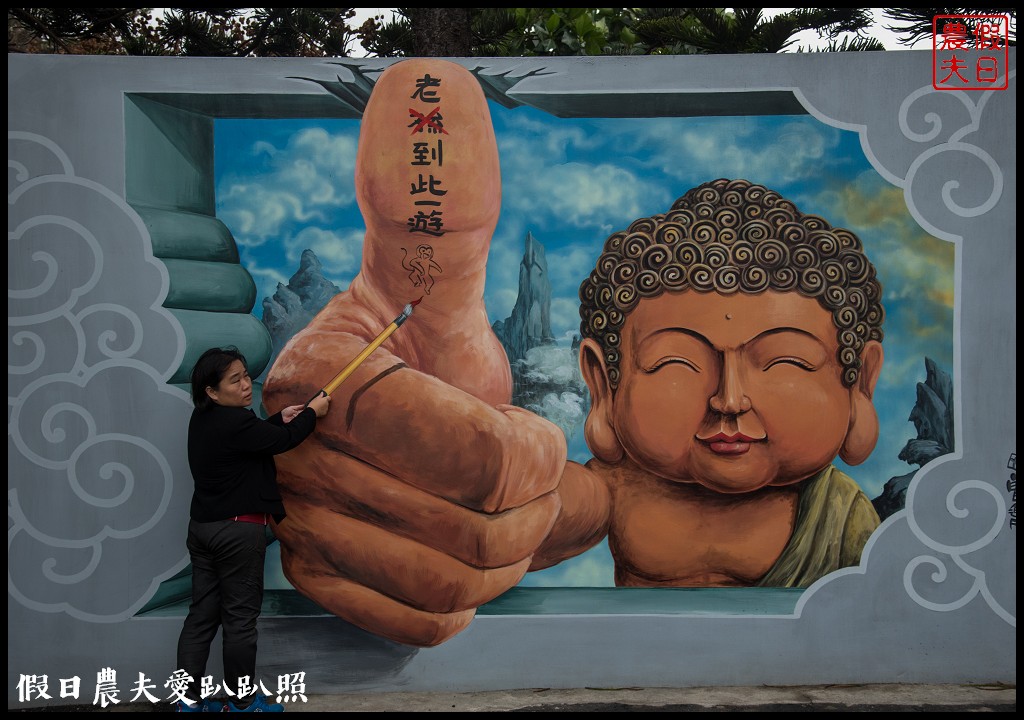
pixel 672 360
pixel 791 360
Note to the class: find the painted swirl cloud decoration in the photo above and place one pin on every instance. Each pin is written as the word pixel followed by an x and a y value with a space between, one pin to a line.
pixel 89 410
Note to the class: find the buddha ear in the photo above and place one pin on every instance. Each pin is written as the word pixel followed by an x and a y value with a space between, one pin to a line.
pixel 862 435
pixel 600 427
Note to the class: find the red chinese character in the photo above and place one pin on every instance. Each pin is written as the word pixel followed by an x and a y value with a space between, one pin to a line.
pixel 954 36
pixel 987 69
pixel 433 121
pixel 954 65
pixel 989 36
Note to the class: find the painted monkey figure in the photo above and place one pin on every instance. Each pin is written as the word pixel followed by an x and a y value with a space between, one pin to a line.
pixel 714 407
pixel 420 267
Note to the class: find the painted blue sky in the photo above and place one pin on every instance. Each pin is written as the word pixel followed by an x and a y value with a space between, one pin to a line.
pixel 287 185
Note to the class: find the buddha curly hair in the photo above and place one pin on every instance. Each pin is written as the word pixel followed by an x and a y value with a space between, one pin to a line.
pixel 730 236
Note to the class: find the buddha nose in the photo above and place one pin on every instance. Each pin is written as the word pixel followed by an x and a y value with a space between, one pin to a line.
pixel 730 398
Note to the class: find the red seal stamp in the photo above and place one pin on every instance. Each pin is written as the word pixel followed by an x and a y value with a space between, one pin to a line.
pixel 970 52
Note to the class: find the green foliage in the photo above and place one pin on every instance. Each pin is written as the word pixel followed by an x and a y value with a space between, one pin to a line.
pixel 519 32
pixel 494 32
pixel 217 32
pixel 515 32
pixel 387 37
pixel 853 44
pixel 300 32
pixel 576 31
pixel 915 24
pixel 92 31
pixel 739 30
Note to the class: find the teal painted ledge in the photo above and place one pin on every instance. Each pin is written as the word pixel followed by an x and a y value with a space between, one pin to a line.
pixel 212 286
pixel 573 601
pixel 187 235
pixel 644 601
pixel 204 330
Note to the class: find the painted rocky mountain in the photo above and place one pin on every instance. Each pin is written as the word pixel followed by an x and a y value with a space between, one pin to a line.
pixel 295 304
pixel 933 419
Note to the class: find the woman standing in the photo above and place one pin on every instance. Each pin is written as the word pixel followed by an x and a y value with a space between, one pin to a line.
pixel 230 453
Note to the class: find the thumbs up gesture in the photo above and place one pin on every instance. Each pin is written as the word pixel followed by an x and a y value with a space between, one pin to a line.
pixel 423 494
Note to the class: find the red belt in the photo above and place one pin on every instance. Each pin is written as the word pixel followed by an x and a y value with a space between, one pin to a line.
pixel 258 518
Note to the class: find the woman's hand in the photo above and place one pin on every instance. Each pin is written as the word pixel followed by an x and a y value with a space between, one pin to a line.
pixel 320 404
pixel 291 412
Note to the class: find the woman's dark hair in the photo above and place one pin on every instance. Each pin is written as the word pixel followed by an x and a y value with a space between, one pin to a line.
pixel 209 370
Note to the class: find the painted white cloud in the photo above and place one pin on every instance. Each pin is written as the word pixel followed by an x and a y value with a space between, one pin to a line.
pixel 319 166
pixel 551 138
pixel 307 178
pixel 609 194
pixel 552 365
pixel 335 154
pixel 603 195
pixel 566 410
pixel 589 195
pixel 255 213
pixel 340 253
pixel 696 151
pixel 793 153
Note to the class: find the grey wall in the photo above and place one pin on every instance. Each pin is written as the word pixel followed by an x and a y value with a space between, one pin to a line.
pixel 107 160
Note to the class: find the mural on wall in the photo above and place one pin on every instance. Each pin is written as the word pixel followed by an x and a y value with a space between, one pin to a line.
pixel 646 352
pixel 776 318
pixel 258 209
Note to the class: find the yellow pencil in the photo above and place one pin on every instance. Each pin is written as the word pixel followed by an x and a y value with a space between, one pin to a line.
pixel 365 353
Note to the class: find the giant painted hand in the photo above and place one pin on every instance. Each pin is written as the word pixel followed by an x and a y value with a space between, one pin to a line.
pixel 422 495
